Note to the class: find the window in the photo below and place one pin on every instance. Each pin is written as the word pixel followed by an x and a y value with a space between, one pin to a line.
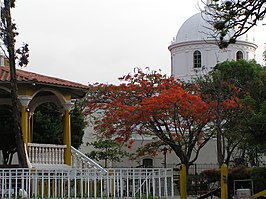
pixel 239 55
pixel 197 59
pixel 147 163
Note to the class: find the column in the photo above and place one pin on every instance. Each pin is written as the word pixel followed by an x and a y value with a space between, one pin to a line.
pixel 25 100
pixel 67 133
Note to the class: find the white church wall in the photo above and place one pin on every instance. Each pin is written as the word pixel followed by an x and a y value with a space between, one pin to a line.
pixel 182 57
pixel 207 154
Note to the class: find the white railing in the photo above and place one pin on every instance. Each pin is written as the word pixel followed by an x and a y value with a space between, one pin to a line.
pixel 87 183
pixel 41 155
pixel 81 161
pixel 27 157
pixel 50 154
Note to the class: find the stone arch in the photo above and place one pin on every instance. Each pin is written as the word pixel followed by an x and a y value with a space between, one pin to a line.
pixel 42 96
pixel 56 98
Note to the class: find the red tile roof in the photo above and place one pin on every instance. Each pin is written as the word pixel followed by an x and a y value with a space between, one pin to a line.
pixel 25 76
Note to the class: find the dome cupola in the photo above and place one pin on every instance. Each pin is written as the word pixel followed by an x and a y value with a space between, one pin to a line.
pixel 194 50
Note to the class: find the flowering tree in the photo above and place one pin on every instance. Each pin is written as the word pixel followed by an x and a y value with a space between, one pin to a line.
pixel 152 105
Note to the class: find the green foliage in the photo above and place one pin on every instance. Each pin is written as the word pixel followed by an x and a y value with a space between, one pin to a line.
pixel 78 125
pixel 48 125
pixel 243 126
pixel 107 150
pixel 7 141
pixel 212 175
pixel 259 178
pixel 239 173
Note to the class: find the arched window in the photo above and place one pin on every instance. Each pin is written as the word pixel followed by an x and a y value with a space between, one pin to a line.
pixel 239 55
pixel 197 59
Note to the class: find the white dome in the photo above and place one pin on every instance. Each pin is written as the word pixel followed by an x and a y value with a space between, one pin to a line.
pixel 195 51
pixel 196 28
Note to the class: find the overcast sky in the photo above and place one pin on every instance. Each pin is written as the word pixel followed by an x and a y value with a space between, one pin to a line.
pixel 90 41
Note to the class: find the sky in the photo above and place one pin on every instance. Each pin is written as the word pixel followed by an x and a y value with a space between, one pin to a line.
pixel 89 41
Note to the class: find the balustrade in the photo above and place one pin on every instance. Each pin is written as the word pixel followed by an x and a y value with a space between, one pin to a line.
pixel 46 153
pixel 81 161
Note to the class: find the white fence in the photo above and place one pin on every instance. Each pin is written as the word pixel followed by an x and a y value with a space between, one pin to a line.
pixel 87 183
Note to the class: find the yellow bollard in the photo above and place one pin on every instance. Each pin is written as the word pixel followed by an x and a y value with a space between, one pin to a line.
pixel 224 181
pixel 183 181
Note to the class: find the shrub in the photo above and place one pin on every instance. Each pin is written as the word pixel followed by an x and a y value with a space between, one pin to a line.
pixel 258 175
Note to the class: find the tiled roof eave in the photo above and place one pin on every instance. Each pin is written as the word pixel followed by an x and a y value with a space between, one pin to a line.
pixel 53 85
pixel 30 78
pixel 47 84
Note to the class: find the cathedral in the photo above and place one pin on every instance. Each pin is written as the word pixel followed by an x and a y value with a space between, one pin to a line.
pixel 194 50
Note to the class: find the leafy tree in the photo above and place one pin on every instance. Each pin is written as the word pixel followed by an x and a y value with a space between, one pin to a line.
pixel 107 150
pixel 7 141
pixel 234 18
pixel 8 34
pixel 250 78
pixel 48 125
pixel 78 125
pixel 215 90
pixel 152 104
pixel 235 128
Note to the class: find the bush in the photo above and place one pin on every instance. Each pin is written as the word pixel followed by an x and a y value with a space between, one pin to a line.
pixel 259 179
pixel 258 175
pixel 212 175
pixel 239 173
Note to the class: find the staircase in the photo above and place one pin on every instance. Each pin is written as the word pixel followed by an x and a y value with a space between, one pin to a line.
pixel 51 156
pixel 81 161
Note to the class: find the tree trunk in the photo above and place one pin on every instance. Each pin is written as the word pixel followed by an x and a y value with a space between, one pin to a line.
pixel 220 154
pixel 220 157
pixel 10 44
